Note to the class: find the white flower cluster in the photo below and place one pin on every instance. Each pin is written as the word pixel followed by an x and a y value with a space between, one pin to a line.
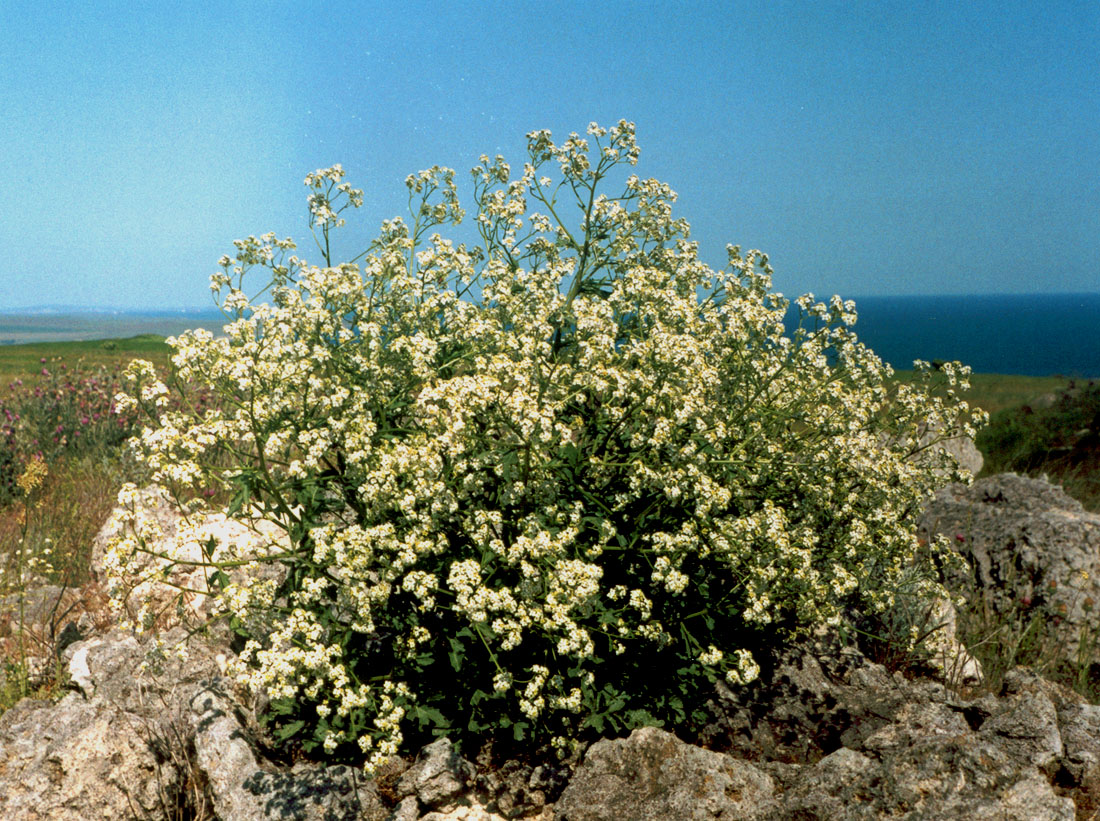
pixel 544 440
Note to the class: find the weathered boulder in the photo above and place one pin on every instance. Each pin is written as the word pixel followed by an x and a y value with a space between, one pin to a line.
pixel 930 774
pixel 92 754
pixel 845 739
pixel 438 776
pixel 819 696
pixel 74 761
pixel 932 445
pixel 944 777
pixel 470 810
pixel 947 656
pixel 165 593
pixel 1033 552
pixel 962 449
pixel 515 788
pixel 142 728
pixel 43 621
pixel 244 788
pixel 653 776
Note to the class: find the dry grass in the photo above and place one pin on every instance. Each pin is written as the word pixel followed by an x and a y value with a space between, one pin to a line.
pixel 75 501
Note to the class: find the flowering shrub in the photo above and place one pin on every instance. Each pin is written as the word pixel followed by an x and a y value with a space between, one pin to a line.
pixel 556 482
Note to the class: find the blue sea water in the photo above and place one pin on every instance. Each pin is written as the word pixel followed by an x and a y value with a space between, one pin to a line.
pixel 1031 335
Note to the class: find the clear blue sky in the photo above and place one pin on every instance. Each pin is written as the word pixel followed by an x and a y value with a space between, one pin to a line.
pixel 868 147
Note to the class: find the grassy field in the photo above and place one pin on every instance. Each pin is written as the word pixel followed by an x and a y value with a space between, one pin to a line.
pixel 991 392
pixel 26 361
pixel 994 392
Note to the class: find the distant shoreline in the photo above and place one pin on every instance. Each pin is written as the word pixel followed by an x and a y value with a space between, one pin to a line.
pixel 1026 335
pixel 26 328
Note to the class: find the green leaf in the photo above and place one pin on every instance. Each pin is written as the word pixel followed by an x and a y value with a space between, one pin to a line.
pixel 595 721
pixel 237 626
pixel 289 730
pixel 430 715
pixel 642 718
pixel 242 496
pixel 457 653
pixel 219 580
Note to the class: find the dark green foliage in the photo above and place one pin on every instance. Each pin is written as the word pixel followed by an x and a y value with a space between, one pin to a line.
pixel 1059 437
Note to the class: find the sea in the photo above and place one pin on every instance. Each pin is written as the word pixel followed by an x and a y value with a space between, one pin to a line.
pixel 1023 334
pixel 1031 335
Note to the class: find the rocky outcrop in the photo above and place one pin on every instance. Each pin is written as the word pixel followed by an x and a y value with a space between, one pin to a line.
pixel 947 657
pixel 825 732
pixel 92 755
pixel 1033 554
pixel 148 732
pixel 932 445
pixel 243 787
pixel 44 621
pixel 844 739
pixel 961 448
pixel 653 776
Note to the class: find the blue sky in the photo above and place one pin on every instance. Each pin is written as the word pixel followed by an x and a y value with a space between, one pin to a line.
pixel 868 148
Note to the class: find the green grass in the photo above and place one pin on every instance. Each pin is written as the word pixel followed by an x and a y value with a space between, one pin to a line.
pixel 1058 437
pixel 24 361
pixel 993 392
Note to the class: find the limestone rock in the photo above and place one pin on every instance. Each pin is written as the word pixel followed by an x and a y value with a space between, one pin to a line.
pixel 408 809
pixel 44 621
pixel 438 775
pixel 225 756
pixel 961 450
pixel 73 761
pixel 1027 730
pixel 653 776
pixel 819 697
pixel 1032 551
pixel 106 655
pixel 244 790
pixel 1079 727
pixel 965 452
pixel 473 811
pixel 949 657
pixel 942 777
pixel 858 742
pixel 514 789
pixel 142 725
pixel 92 754
pixel 162 596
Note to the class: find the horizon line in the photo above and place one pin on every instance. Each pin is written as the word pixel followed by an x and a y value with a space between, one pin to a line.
pixel 214 309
